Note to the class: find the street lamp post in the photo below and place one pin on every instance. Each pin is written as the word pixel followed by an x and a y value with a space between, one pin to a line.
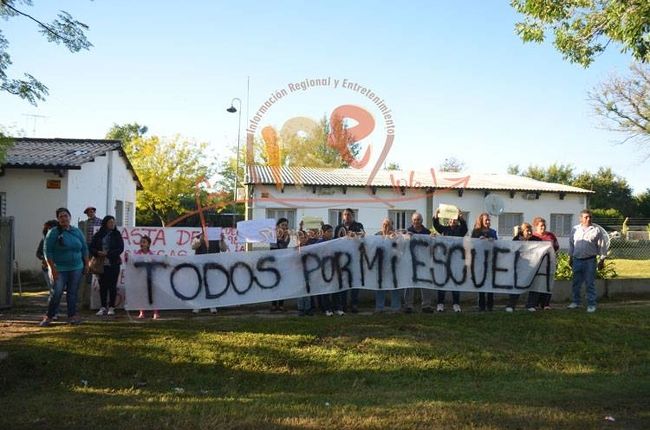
pixel 232 109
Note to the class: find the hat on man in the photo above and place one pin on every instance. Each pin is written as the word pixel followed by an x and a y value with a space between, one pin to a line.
pixel 89 208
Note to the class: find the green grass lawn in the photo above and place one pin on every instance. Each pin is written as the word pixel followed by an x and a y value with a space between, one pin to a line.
pixel 557 369
pixel 632 268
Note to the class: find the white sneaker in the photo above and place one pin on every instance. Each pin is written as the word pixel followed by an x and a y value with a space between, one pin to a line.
pixel 213 310
pixel 340 313
pixel 440 307
pixel 329 313
pixel 510 309
pixel 111 311
pixel 573 305
pixel 532 309
pixel 101 311
pixel 196 311
pixel 456 308
pixel 591 309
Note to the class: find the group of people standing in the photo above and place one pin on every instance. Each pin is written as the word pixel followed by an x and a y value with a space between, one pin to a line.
pixel 65 252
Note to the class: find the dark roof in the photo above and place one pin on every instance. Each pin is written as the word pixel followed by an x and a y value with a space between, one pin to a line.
pixel 309 176
pixel 64 154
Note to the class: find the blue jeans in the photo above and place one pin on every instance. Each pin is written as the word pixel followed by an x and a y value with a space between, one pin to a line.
pixel 70 282
pixel 395 300
pixel 584 271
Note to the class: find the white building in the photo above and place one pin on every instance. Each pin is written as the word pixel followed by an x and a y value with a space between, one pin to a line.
pixel 40 175
pixel 298 192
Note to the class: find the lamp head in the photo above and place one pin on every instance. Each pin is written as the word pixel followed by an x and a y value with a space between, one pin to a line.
pixel 231 109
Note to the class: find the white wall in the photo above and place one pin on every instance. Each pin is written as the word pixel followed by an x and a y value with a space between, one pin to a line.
pixel 31 204
pixel 372 210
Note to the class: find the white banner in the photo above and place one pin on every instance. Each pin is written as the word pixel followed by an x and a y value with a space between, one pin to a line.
pixel 165 241
pixel 446 263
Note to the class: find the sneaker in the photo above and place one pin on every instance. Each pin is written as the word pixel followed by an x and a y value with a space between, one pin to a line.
pixel 156 315
pixel 591 309
pixel 510 309
pixel 74 320
pixel 55 318
pixel 329 313
pixel 440 307
pixel 101 311
pixel 340 313
pixel 456 308
pixel 573 305
pixel 196 311
pixel 213 310
pixel 427 310
pixel 111 311
pixel 547 308
pixel 531 309
pixel 141 315
pixel 45 323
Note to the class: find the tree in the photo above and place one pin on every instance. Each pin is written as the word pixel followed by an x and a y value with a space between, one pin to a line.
pixel 64 30
pixel 643 204
pixel 624 105
pixel 170 170
pixel 452 164
pixel 584 28
pixel 5 144
pixel 611 190
pixel 392 165
pixel 555 173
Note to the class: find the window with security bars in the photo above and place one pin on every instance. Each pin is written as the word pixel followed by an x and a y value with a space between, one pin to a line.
pixel 3 204
pixel 128 214
pixel 335 216
pixel 402 218
pixel 561 224
pixel 507 223
pixel 289 214
pixel 119 213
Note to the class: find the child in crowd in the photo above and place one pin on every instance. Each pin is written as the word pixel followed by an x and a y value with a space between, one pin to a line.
pixel 145 249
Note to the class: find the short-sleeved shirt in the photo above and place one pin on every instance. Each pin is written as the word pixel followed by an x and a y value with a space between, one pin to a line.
pixel 343 230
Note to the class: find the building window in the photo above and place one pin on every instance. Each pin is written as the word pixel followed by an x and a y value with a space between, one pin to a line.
pixel 507 223
pixel 561 224
pixel 3 204
pixel 401 218
pixel 335 216
pixel 128 214
pixel 119 213
pixel 289 214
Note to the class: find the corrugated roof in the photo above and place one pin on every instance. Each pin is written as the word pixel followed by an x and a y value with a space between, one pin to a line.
pixel 309 176
pixel 35 153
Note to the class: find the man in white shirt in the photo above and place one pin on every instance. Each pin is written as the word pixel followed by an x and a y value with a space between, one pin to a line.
pixel 587 251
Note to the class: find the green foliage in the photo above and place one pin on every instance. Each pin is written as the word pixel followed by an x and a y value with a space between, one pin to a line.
pixel 555 173
pixel 623 104
pixel 606 213
pixel 5 144
pixel 583 29
pixel 564 272
pixel 64 30
pixel 392 165
pixel 642 202
pixel 126 132
pixel 612 191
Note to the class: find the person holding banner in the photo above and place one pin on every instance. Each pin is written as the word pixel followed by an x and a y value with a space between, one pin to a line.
pixel 145 249
pixel 539 224
pixel 108 244
pixel 329 303
pixel 587 244
pixel 482 230
pixel 203 244
pixel 456 227
pixel 282 242
pixel 525 232
pixel 348 228
pixel 66 252
pixel 387 231
pixel 417 227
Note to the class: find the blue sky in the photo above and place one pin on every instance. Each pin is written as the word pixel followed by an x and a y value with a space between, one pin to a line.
pixel 458 80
